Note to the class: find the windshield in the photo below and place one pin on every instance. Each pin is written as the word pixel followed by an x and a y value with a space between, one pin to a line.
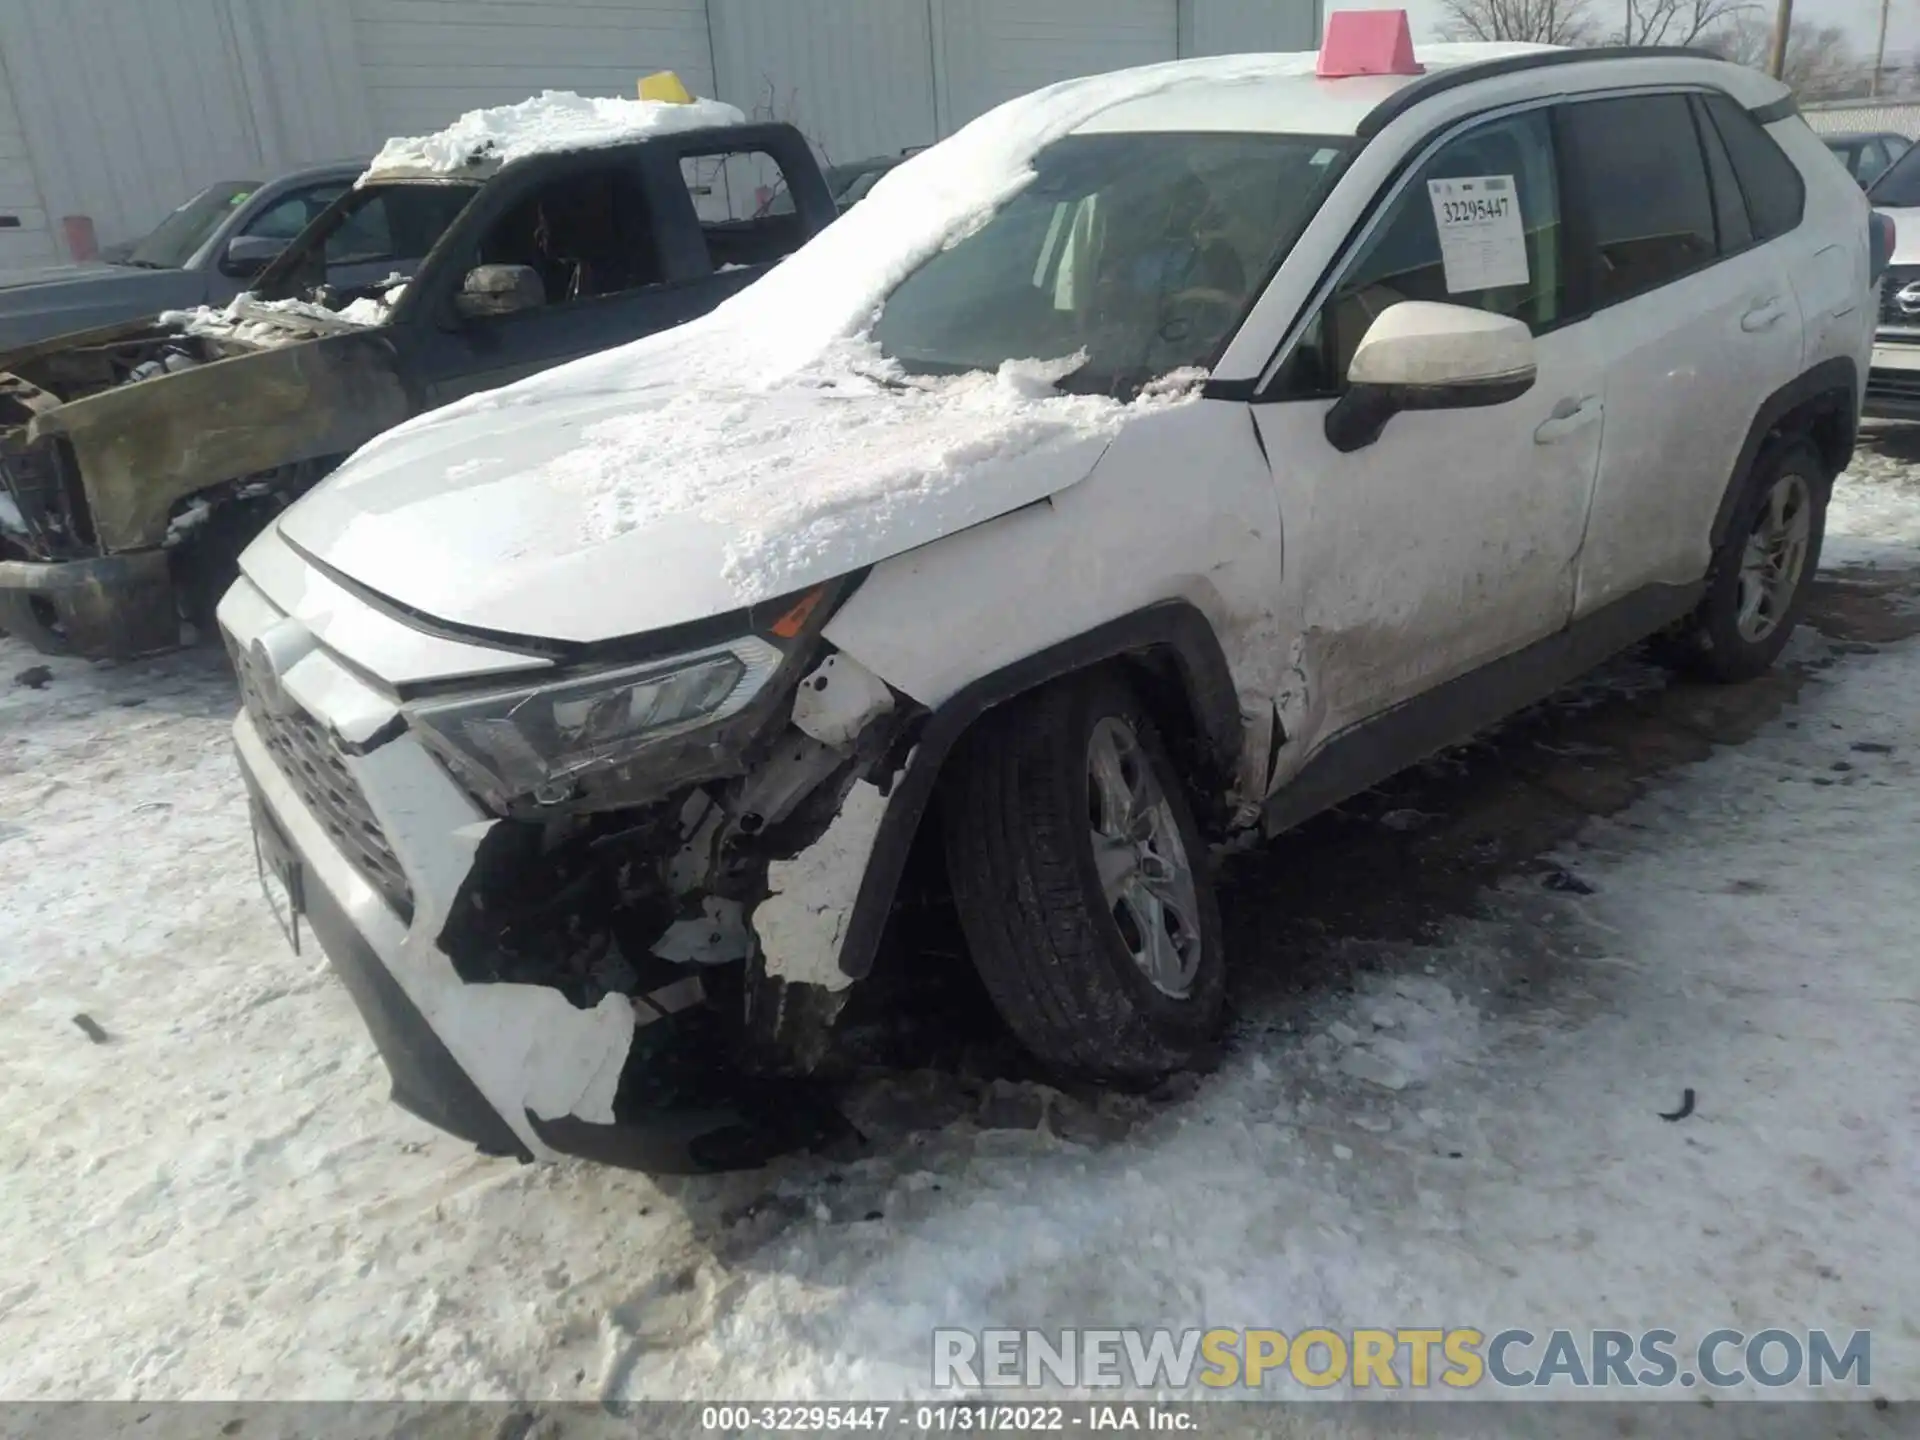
pixel 1142 251
pixel 368 236
pixel 1899 188
pixel 175 239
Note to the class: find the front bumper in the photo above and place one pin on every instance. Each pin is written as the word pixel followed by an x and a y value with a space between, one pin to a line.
pixel 515 1069
pixel 107 607
pixel 1893 382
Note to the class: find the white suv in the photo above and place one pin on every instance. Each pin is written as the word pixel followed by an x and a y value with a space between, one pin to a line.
pixel 1167 454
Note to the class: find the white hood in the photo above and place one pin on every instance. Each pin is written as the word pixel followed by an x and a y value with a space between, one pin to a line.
pixel 588 517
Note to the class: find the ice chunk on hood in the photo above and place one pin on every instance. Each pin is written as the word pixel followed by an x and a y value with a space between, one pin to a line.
pixel 482 141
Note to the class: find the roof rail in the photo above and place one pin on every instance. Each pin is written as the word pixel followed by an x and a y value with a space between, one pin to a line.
pixel 1436 82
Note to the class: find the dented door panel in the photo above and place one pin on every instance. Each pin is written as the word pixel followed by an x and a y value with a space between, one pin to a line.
pixel 1447 543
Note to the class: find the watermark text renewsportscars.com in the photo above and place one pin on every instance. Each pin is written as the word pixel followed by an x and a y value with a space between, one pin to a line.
pixel 1409 1358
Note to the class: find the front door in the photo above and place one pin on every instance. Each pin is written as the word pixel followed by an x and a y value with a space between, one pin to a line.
pixel 588 232
pixel 1452 539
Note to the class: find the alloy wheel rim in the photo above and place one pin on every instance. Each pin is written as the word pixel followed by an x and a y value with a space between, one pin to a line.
pixel 1146 876
pixel 1774 558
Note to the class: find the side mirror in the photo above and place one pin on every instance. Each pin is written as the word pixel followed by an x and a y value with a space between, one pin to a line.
pixel 1423 356
pixel 491 290
pixel 248 255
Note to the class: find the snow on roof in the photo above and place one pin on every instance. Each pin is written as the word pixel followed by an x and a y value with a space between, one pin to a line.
pixel 481 141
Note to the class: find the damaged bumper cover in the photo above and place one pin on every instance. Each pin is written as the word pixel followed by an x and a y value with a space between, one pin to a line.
pixel 626 1060
pixel 105 607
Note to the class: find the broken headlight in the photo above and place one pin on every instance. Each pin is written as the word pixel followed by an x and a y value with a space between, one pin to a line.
pixel 540 740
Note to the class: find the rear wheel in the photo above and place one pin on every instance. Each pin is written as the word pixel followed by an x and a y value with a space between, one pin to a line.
pixel 1082 883
pixel 1757 589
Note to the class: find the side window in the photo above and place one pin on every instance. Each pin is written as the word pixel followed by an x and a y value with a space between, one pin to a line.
pixel 744 205
pixel 286 218
pixel 1730 216
pixel 1478 224
pixel 1644 181
pixel 366 237
pixel 586 233
pixel 1776 195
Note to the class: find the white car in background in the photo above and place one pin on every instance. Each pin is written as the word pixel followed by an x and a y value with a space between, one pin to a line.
pixel 1168 454
pixel 1893 383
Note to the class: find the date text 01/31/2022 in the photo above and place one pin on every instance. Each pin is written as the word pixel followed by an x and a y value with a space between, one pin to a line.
pixel 937 1419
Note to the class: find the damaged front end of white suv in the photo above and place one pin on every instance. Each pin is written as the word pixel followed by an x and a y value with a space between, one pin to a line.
pixel 626 883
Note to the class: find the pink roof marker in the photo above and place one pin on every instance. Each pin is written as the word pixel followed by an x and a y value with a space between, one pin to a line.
pixel 1367 42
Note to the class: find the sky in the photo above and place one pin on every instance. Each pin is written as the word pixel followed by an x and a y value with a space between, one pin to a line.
pixel 1860 18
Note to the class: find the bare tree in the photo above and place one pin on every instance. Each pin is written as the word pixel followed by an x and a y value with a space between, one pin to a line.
pixel 1678 22
pixel 1544 22
pixel 1820 64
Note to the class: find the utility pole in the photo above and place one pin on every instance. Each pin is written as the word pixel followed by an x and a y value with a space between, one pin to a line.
pixel 1880 51
pixel 1783 22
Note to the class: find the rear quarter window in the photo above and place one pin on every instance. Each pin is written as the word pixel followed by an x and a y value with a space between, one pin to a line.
pixel 737 195
pixel 1776 195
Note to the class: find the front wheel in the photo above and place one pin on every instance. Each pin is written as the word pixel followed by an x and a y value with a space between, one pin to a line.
pixel 1082 883
pixel 1757 589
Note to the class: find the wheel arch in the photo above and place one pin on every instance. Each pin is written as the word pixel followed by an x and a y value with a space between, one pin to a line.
pixel 1170 651
pixel 1823 404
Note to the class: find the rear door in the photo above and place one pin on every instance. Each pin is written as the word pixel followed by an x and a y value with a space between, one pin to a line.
pixel 1697 321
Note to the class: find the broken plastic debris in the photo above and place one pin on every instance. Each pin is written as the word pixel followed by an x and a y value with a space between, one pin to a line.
pixel 1686 1106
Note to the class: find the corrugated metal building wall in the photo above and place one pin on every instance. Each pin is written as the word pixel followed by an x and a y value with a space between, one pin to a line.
pixel 119 110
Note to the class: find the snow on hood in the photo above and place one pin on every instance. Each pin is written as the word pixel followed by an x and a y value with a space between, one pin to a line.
pixel 481 141
pixel 804 482
pixel 247 317
pixel 760 427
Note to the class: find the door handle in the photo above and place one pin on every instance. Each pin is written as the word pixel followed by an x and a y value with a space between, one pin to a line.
pixel 1763 316
pixel 1569 417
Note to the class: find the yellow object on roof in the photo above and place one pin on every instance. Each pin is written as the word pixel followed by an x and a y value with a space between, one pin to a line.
pixel 665 86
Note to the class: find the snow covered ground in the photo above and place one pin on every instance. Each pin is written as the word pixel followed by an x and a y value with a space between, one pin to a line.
pixel 217 1201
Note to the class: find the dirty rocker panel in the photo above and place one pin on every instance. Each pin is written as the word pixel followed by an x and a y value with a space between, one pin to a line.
pixel 1175 626
pixel 1375 749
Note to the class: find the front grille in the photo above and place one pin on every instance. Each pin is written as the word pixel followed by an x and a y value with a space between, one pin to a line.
pixel 313 762
pixel 1900 385
pixel 1891 315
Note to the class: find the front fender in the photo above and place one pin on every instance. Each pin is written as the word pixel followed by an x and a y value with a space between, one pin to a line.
pixel 1174 627
pixel 143 447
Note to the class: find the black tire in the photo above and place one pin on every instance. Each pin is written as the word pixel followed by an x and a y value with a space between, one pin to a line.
pixel 1709 643
pixel 1046 942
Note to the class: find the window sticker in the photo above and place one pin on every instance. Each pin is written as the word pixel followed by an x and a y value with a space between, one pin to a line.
pixel 1482 243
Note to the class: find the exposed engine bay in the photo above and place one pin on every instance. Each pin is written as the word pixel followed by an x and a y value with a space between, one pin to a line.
pixel 678 902
pixel 40 381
